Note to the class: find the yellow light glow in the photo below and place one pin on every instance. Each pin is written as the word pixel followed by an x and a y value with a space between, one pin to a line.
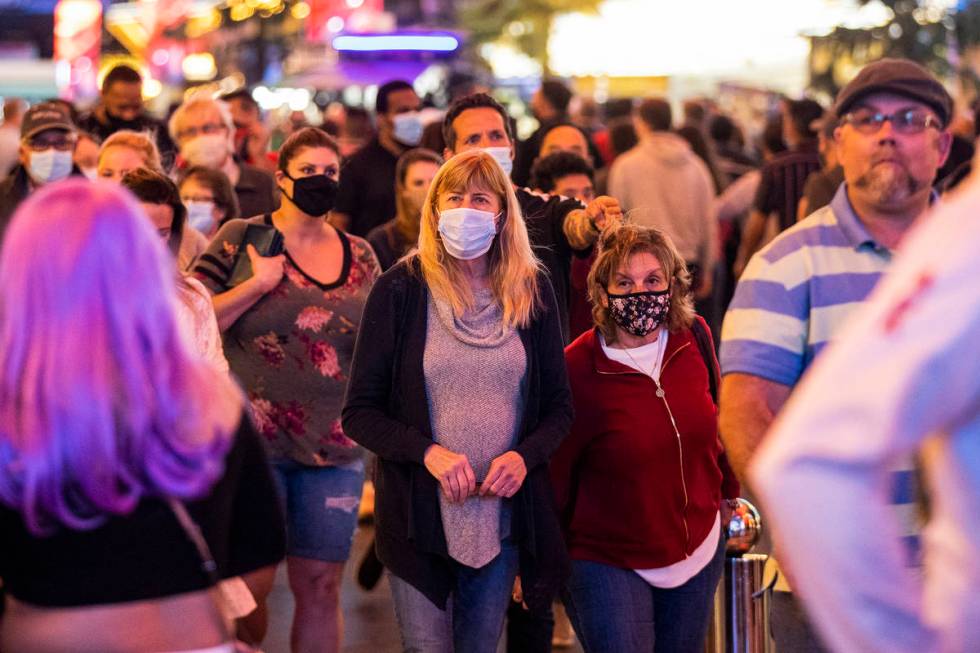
pixel 300 10
pixel 241 12
pixel 201 24
pixel 199 67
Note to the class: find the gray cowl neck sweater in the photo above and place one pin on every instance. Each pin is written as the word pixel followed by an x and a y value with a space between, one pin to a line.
pixel 475 373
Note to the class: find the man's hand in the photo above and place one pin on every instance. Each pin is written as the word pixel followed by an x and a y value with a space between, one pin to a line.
pixel 604 212
pixel 453 472
pixel 506 475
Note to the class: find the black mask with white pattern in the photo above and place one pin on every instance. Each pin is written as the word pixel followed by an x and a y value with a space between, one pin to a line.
pixel 639 313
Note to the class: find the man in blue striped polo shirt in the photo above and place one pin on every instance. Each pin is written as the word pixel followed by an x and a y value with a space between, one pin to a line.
pixel 796 293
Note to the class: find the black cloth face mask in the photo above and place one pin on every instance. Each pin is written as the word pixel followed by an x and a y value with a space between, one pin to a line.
pixel 117 123
pixel 639 313
pixel 313 195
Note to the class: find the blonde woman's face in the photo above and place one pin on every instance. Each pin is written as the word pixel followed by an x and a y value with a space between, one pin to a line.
pixel 117 160
pixel 472 198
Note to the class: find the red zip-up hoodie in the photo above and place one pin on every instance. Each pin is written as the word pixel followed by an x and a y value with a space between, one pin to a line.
pixel 631 493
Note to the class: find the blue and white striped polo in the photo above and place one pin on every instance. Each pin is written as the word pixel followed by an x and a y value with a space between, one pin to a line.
pixel 793 298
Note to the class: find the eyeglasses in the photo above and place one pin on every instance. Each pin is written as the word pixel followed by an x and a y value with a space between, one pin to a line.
pixel 909 121
pixel 61 144
pixel 208 128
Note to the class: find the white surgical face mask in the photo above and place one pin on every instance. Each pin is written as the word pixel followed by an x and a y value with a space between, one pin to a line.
pixel 208 150
pixel 91 173
pixel 408 128
pixel 49 165
pixel 200 215
pixel 502 156
pixel 467 233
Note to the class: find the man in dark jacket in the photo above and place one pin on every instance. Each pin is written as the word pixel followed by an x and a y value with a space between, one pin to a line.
pixel 47 143
pixel 121 107
pixel 558 227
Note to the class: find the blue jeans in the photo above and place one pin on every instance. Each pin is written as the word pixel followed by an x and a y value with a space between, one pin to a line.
pixel 474 616
pixel 320 504
pixel 613 609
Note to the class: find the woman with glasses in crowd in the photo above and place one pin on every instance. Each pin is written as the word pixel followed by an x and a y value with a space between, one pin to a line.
pixel 209 198
pixel 203 130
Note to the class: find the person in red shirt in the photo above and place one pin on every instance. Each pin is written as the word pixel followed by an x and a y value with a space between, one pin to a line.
pixel 640 479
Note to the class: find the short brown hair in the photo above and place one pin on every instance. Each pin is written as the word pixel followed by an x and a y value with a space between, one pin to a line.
pixel 473 101
pixel 616 247
pixel 655 112
pixel 153 187
pixel 220 186
pixel 306 137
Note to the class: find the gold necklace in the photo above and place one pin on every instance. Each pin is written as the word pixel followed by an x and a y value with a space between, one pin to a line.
pixel 660 390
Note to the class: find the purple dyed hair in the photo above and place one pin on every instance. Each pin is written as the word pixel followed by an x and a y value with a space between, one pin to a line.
pixel 101 401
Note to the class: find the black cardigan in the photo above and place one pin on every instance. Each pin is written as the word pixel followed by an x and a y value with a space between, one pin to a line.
pixel 386 410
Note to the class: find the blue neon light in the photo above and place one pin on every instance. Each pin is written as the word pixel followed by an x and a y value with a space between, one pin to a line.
pixel 393 42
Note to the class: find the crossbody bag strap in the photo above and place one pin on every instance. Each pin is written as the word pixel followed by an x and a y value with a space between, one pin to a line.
pixel 208 564
pixel 707 353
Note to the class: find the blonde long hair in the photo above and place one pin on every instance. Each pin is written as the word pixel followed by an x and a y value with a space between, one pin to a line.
pixel 514 268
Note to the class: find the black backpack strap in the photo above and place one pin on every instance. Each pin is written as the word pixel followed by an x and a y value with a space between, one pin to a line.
pixel 703 339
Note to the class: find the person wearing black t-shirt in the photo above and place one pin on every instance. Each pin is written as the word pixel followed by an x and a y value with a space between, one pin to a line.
pixel 367 179
pixel 558 227
pixel 133 481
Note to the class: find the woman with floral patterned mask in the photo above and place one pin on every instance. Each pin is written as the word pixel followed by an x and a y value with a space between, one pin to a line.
pixel 289 336
pixel 640 479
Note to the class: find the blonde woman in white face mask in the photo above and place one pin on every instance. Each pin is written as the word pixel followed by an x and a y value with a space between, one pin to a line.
pixel 458 385
pixel 204 132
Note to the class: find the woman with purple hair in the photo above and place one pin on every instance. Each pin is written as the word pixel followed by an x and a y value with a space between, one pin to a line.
pixel 129 481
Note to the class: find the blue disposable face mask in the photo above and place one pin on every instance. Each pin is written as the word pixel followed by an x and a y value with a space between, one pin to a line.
pixel 502 156
pixel 49 165
pixel 467 233
pixel 408 128
pixel 200 216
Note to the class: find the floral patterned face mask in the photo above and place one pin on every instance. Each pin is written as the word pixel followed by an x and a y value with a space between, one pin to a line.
pixel 639 313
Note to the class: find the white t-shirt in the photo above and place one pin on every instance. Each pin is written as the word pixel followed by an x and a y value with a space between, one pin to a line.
pixel 649 359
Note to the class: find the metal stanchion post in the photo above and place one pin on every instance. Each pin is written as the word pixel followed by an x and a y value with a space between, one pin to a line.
pixel 740 622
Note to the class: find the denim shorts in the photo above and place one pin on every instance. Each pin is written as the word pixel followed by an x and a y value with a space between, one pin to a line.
pixel 321 508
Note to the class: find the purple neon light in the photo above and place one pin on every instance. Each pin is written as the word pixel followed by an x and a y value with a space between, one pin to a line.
pixel 395 42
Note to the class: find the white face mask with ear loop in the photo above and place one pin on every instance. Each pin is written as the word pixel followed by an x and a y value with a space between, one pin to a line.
pixel 408 128
pixel 467 233
pixel 200 215
pixel 502 156
pixel 49 165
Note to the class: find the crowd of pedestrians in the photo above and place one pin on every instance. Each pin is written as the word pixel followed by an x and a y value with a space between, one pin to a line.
pixel 208 345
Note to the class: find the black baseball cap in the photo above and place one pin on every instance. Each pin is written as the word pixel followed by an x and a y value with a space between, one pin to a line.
pixel 900 77
pixel 43 116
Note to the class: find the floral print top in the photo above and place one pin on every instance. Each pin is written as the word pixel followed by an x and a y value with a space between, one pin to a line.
pixel 292 349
